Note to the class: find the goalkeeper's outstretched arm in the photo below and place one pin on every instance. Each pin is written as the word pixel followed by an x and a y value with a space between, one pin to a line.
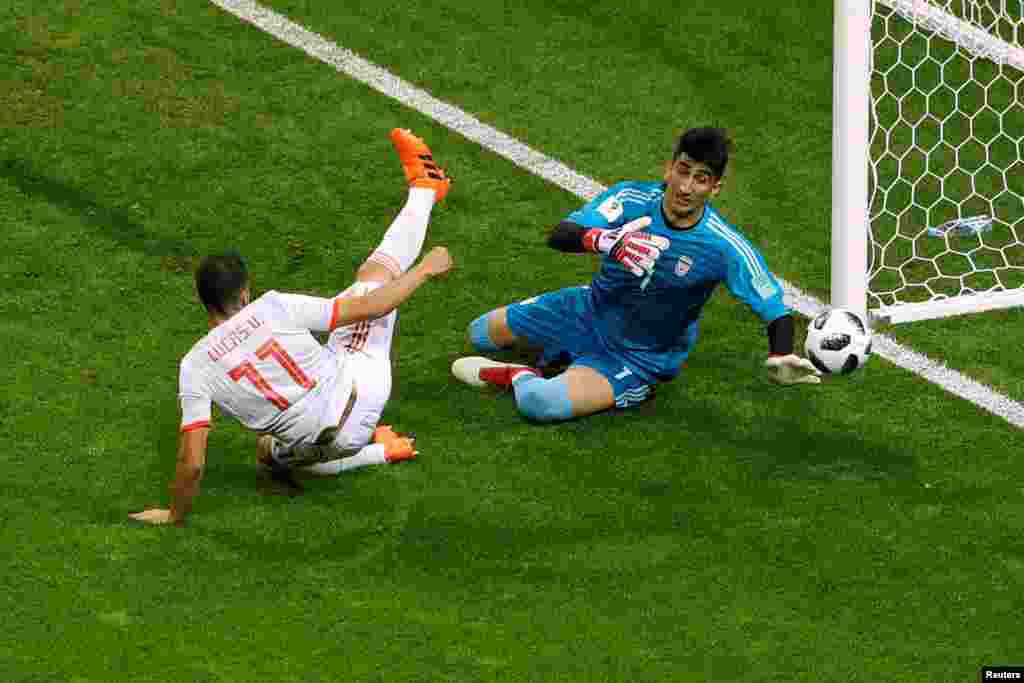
pixel 784 366
pixel 780 336
pixel 568 237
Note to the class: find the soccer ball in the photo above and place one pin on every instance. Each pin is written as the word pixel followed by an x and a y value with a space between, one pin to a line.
pixel 838 342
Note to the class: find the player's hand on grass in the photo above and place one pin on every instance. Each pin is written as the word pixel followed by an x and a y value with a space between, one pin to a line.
pixel 792 369
pixel 437 262
pixel 153 516
pixel 637 251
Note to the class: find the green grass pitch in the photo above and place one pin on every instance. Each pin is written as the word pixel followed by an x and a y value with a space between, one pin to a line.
pixel 865 530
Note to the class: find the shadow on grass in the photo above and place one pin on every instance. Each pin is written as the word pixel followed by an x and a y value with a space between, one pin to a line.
pixel 335 519
pixel 797 444
pixel 113 223
pixel 783 438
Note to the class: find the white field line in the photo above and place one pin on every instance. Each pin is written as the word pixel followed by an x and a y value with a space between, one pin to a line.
pixel 347 62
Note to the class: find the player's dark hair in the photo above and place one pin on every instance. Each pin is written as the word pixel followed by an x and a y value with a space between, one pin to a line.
pixel 220 280
pixel 710 146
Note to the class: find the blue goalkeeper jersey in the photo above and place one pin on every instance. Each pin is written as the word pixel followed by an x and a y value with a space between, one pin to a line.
pixel 658 319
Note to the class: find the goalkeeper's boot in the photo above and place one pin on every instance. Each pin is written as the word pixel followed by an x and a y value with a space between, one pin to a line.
pixel 397 447
pixel 418 162
pixel 478 371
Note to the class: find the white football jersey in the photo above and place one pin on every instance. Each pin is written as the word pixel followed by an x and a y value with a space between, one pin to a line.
pixel 265 368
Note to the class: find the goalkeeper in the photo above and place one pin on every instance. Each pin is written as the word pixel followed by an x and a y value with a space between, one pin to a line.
pixel 664 249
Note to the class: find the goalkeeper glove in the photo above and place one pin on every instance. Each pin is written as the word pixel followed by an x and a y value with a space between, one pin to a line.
pixel 637 251
pixel 792 369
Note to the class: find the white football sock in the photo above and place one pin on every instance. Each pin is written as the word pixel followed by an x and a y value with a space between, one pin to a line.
pixel 402 242
pixel 368 455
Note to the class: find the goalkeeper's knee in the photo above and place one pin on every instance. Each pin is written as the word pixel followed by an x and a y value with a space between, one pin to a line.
pixel 479 336
pixel 543 400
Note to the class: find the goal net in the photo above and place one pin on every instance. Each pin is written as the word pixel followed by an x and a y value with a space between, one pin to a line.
pixel 945 159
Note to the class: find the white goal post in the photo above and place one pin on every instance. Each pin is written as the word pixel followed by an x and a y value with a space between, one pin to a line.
pixel 928 157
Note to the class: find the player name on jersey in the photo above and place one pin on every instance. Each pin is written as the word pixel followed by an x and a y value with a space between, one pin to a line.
pixel 236 336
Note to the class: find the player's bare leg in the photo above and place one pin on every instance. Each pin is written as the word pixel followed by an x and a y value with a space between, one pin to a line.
pixel 589 391
pixel 490 332
pixel 265 450
pixel 371 271
pixel 498 329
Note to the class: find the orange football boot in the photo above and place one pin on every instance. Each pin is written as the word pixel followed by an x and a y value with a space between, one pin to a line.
pixel 396 448
pixel 418 163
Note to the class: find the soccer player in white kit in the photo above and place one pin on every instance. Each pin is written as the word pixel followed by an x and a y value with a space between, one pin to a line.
pixel 316 407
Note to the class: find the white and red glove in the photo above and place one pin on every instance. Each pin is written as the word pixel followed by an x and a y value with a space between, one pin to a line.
pixel 637 251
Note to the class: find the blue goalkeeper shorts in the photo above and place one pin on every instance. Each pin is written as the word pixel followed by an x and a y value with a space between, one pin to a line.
pixel 561 323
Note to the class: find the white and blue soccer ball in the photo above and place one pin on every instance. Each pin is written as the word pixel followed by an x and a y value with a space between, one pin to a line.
pixel 838 342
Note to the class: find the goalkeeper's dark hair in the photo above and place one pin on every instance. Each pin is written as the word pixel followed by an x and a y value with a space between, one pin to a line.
pixel 220 280
pixel 710 146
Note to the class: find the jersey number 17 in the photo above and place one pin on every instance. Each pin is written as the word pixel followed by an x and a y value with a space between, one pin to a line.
pixel 271 349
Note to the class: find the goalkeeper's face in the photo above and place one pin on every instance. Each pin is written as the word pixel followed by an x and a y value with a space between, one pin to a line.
pixel 688 185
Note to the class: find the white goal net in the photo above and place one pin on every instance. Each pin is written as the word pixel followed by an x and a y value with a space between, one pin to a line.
pixel 946 157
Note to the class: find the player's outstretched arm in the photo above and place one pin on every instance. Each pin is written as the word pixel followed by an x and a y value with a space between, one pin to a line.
pixel 185 487
pixel 382 301
pixel 784 366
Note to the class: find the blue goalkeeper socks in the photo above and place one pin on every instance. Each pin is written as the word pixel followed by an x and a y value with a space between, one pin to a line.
pixel 478 335
pixel 542 400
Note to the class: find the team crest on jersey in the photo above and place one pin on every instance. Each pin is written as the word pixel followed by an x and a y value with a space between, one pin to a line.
pixel 683 265
pixel 611 209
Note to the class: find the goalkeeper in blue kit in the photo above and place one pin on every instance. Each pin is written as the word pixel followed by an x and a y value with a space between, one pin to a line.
pixel 664 249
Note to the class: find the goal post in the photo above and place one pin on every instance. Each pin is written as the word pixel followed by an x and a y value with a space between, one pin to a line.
pixel 928 157
pixel 851 108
